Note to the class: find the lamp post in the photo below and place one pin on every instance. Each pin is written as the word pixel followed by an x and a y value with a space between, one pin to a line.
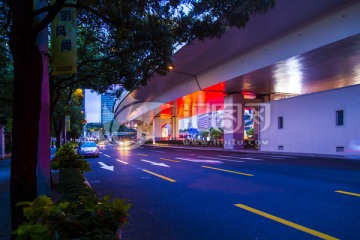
pixel 171 69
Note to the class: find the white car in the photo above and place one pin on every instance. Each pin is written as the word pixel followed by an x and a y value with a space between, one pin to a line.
pixel 88 148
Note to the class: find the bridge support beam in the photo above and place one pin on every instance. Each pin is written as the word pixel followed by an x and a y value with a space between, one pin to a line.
pixel 156 129
pixel 234 121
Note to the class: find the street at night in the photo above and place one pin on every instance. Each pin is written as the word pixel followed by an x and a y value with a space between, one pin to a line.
pixel 200 120
pixel 180 193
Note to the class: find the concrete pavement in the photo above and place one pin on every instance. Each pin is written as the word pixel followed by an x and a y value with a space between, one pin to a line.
pixel 5 227
pixel 5 199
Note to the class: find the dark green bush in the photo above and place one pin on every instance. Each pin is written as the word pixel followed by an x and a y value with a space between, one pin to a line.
pixel 80 214
pixel 66 157
pixel 72 186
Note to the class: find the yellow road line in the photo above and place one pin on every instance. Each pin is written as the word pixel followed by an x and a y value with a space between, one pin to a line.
pixel 288 223
pixel 142 154
pixel 160 176
pixel 224 170
pixel 170 160
pixel 348 193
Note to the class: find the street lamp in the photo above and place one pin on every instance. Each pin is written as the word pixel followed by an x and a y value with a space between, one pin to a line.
pixel 171 69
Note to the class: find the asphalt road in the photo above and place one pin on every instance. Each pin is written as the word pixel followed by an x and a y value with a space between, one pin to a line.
pixel 205 195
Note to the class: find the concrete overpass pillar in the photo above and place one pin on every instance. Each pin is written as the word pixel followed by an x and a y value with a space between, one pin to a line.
pixel 234 121
pixel 156 129
pixel 174 122
pixel 139 131
pixel 174 128
pixel 256 123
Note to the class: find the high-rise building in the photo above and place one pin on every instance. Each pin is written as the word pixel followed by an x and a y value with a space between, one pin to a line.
pixel 211 120
pixel 107 105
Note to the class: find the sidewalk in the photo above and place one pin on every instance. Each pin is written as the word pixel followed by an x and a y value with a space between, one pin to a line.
pixel 5 199
pixel 253 150
pixel 5 196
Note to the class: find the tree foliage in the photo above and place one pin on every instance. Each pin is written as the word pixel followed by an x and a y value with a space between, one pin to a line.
pixel 216 133
pixel 125 43
pixel 68 105
pixel 6 68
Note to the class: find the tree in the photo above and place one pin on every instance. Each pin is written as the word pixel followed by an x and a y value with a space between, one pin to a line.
pixel 141 35
pixel 68 104
pixel 216 133
pixel 250 132
pixel 6 74
pixel 205 134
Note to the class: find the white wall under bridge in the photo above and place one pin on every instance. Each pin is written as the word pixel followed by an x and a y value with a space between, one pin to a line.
pixel 309 123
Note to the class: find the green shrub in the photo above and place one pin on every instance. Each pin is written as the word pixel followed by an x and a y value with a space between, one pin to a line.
pixel 42 215
pixel 66 157
pixel 250 132
pixel 72 186
pixel 90 220
pixel 81 214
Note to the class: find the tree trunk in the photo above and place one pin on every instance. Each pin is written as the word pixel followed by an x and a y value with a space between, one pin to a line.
pixel 26 107
pixel 58 129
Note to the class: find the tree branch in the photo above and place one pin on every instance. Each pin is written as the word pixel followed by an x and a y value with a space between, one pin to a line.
pixel 6 100
pixel 93 11
pixel 52 11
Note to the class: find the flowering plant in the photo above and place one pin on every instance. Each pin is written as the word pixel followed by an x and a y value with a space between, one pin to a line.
pixel 93 220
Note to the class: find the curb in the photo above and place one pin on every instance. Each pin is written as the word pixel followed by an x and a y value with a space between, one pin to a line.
pixel 317 155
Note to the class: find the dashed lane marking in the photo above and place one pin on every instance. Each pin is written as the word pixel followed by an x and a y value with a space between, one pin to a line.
pixel 200 160
pixel 225 170
pixel 286 222
pixel 170 160
pixel 160 176
pixel 239 157
pixel 142 154
pixel 106 155
pixel 348 193
pixel 121 161
pixel 227 160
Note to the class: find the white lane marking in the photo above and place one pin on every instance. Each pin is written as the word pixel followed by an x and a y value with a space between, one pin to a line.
pixel 121 161
pixel 266 156
pixel 252 155
pixel 157 151
pixel 155 163
pixel 239 157
pixel 198 160
pixel 283 157
pixel 106 155
pixel 104 166
pixel 95 181
pixel 252 159
pixel 228 160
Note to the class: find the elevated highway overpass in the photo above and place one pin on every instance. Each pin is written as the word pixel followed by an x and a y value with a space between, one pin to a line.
pixel 307 50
